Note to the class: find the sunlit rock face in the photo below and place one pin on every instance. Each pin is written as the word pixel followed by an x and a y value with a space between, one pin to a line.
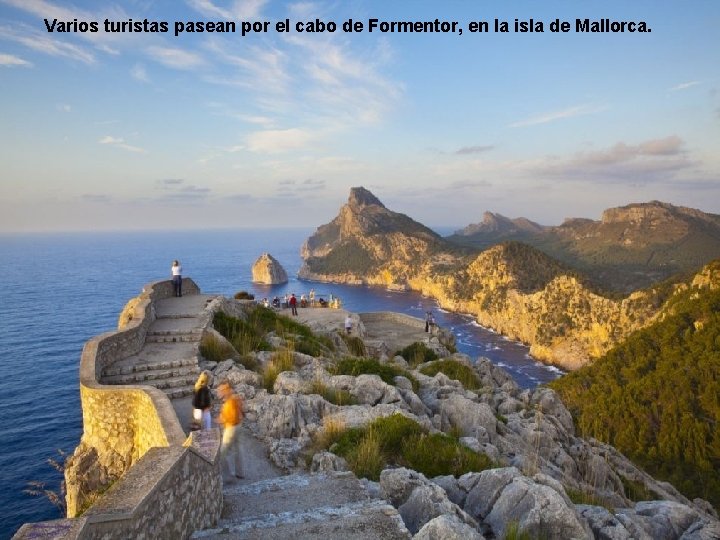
pixel 268 270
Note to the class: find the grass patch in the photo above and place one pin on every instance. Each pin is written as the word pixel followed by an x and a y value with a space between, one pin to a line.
pixel 216 350
pixel 417 353
pixel 636 491
pixel 371 366
pixel 244 295
pixel 399 441
pixel 355 345
pixel 248 335
pixel 455 370
pixel 332 395
pixel 583 497
pixel 280 361
pixel 513 532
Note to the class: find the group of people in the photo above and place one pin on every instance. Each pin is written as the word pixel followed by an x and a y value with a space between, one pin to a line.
pixel 230 418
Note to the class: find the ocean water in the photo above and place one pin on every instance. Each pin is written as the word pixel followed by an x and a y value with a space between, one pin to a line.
pixel 59 290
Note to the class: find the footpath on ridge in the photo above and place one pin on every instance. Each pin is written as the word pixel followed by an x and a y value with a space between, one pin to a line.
pixel 265 504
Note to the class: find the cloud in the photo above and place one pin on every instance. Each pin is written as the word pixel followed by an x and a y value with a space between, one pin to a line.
pixel 648 161
pixel 42 43
pixel 473 150
pixel 461 185
pixel 175 58
pixel 9 60
pixel 262 69
pixel 278 140
pixel 684 86
pixel 570 112
pixel 171 181
pixel 139 73
pixel 240 9
pixel 175 190
pixel 64 107
pixel 118 142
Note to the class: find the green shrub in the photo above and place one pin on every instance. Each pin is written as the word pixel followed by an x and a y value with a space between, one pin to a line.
pixel 280 361
pixel 455 370
pixel 355 345
pixel 332 395
pixel 370 366
pixel 215 350
pixel 399 441
pixel 417 353
pixel 244 295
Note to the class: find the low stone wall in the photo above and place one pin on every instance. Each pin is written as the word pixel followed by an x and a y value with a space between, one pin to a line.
pixel 379 316
pixel 133 441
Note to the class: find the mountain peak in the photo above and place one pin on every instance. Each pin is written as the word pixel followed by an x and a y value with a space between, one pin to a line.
pixel 361 197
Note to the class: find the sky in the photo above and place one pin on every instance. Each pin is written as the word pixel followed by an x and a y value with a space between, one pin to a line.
pixel 139 130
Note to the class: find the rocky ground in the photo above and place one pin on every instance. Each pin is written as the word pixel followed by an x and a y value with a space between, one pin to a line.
pixel 544 473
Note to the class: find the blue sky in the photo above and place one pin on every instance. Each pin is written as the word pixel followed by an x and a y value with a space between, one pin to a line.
pixel 105 131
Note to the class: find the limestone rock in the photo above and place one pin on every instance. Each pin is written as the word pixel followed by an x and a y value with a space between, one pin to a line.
pixel 268 270
pixel 327 462
pixel 447 528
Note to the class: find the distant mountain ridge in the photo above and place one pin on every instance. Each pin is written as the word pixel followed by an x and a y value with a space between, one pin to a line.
pixel 511 287
pixel 630 247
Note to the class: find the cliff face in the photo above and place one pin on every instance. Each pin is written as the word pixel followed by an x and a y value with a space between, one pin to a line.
pixel 631 246
pixel 512 288
pixel 268 270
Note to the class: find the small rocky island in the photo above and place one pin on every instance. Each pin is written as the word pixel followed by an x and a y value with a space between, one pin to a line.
pixel 268 271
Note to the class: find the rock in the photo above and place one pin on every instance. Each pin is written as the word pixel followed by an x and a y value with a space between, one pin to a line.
pixel 603 524
pixel 535 508
pixel 328 462
pixel 661 520
pixel 285 452
pixel 447 528
pixel 484 488
pixel 472 419
pixel 290 382
pixel 238 376
pixel 359 415
pixel 417 499
pixel 285 416
pixel 268 270
pixel 454 492
pixel 548 402
pixel 371 390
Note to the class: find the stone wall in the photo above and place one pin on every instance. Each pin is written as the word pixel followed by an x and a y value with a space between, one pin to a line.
pixel 133 444
pixel 401 318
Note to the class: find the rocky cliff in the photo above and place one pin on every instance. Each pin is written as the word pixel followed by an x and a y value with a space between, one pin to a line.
pixel 630 247
pixel 512 288
pixel 268 270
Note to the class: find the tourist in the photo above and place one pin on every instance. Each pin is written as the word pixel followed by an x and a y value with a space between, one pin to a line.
pixel 276 303
pixel 293 304
pixel 176 278
pixel 231 415
pixel 348 323
pixel 312 297
pixel 431 323
pixel 265 303
pixel 201 402
pixel 427 321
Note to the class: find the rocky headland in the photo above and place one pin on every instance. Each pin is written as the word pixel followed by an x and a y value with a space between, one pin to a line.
pixel 268 271
pixel 512 287
pixel 537 476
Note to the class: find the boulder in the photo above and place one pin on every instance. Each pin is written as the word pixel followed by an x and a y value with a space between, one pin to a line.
pixel 268 270
pixel 604 525
pixel 328 462
pixel 286 416
pixel 535 508
pixel 471 418
pixel 447 528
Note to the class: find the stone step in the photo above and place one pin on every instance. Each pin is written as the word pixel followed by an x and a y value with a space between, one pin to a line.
pixel 173 338
pixel 152 376
pixel 134 365
pixel 292 493
pixel 180 392
pixel 362 520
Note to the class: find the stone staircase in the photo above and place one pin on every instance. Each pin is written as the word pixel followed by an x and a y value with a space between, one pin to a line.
pixel 318 506
pixel 169 358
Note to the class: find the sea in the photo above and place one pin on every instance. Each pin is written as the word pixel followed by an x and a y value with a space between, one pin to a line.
pixel 58 290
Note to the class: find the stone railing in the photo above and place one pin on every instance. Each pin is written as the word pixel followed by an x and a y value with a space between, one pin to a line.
pixel 132 440
pixel 407 320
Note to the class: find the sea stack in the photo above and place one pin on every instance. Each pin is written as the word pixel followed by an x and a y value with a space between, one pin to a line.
pixel 268 270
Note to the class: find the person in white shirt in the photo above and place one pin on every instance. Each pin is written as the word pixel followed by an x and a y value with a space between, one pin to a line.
pixel 348 324
pixel 177 277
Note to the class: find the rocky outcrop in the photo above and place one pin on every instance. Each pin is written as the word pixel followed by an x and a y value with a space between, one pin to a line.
pixel 511 288
pixel 268 270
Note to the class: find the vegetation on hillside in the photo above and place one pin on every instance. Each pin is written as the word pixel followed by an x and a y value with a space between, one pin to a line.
pixel 399 441
pixel 248 335
pixel 455 370
pixel 656 397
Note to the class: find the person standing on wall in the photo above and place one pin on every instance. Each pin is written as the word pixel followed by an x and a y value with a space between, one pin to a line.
pixel 177 277
pixel 348 324
pixel 293 304
pixel 201 402
pixel 231 416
